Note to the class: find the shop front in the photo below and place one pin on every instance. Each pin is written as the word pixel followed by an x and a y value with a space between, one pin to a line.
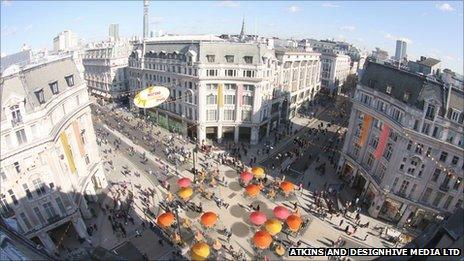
pixel 390 210
pixel 420 219
pixel 370 195
pixel 347 172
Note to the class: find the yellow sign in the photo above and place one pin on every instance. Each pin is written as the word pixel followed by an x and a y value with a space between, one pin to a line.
pixel 220 96
pixel 68 152
pixel 151 97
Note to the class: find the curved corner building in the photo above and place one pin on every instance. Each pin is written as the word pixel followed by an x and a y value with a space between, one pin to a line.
pixel 404 148
pixel 49 155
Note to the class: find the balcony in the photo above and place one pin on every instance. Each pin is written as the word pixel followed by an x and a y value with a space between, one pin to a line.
pixel 18 120
pixel 54 219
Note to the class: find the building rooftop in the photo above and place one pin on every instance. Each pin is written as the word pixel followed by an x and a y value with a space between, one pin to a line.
pixel 181 38
pixel 429 62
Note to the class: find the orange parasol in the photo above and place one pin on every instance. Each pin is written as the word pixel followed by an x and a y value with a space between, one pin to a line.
pixel 287 186
pixel 165 219
pixel 258 172
pixel 208 219
pixel 262 239
pixel 294 222
pixel 252 190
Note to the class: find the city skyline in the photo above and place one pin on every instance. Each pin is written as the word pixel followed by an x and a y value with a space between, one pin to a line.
pixel 367 30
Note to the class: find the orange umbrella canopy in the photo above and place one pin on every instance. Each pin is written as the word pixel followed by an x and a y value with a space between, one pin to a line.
pixel 294 222
pixel 165 219
pixel 273 226
pixel 252 190
pixel 200 251
pixel 262 239
pixel 258 172
pixel 287 186
pixel 208 219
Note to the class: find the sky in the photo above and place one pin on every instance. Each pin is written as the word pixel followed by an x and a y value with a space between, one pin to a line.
pixel 432 29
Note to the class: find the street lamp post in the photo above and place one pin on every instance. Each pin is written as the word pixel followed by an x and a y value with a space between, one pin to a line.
pixel 194 156
pixel 176 206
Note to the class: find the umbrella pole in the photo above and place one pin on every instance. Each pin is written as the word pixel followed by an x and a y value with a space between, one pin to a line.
pixel 178 221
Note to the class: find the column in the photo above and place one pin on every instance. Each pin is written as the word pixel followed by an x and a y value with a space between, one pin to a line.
pixel 201 133
pixel 376 205
pixel 47 242
pixel 236 134
pixel 85 209
pixel 268 128
pixel 219 133
pixel 90 191
pixel 100 178
pixel 80 227
pixel 364 191
pixel 254 137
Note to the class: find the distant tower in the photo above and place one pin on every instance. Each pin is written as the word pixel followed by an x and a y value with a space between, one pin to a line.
pixel 145 19
pixel 242 32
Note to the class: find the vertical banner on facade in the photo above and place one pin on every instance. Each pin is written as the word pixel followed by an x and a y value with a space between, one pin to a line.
pixel 382 141
pixel 77 135
pixel 365 129
pixel 239 95
pixel 67 152
pixel 220 95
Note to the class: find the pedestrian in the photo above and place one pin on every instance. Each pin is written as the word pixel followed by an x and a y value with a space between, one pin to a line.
pixel 341 223
pixel 365 237
pixel 309 184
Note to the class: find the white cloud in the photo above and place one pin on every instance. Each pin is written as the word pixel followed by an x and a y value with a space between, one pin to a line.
pixel 156 20
pixel 445 7
pixel 294 9
pixel 349 28
pixel 394 38
pixel 230 4
pixel 27 28
pixel 330 5
pixel 6 3
pixel 9 30
pixel 78 19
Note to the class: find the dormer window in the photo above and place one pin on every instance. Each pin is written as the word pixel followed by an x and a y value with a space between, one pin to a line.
pixel 430 114
pixel 230 58
pixel 389 89
pixel 406 96
pixel 210 58
pixel 54 87
pixel 249 59
pixel 69 80
pixel 40 96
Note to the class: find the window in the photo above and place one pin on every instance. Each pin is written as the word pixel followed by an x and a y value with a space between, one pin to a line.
pixel 416 125
pixel 39 186
pixel 229 99
pixel 4 206
pixel 381 172
pixel 25 221
pixel 50 210
pixel 430 114
pixel 404 186
pixel 381 106
pixel 457 183
pixel 59 202
pixel 40 96
pixel 248 59
pixel 54 87
pixel 388 152
pixel 230 87
pixel 437 199
pixel 70 80
pixel 411 193
pixel 436 132
pixel 16 114
pixel 443 156
pixel 426 128
pixel 447 202
pixel 229 115
pixel 13 197
pixel 28 192
pixel 366 99
pixel 406 96
pixel 210 73
pixel 231 73
pixel 389 89
pixel 211 99
pixel 83 137
pixel 409 145
pixel 210 58
pixel 248 73
pixel 211 87
pixel 51 185
pixel 455 115
pixel 427 194
pixel 356 149
pixel 419 148
pixel 374 142
pixel 395 182
pixel 455 160
pixel 17 167
pixel 39 215
pixel 211 115
pixel 230 58
pixel 436 174
pixel 247 87
pixel 246 115
pixel 370 160
pixel 87 160
pixel 247 100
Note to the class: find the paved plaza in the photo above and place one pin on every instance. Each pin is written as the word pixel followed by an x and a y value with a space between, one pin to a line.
pixel 132 166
